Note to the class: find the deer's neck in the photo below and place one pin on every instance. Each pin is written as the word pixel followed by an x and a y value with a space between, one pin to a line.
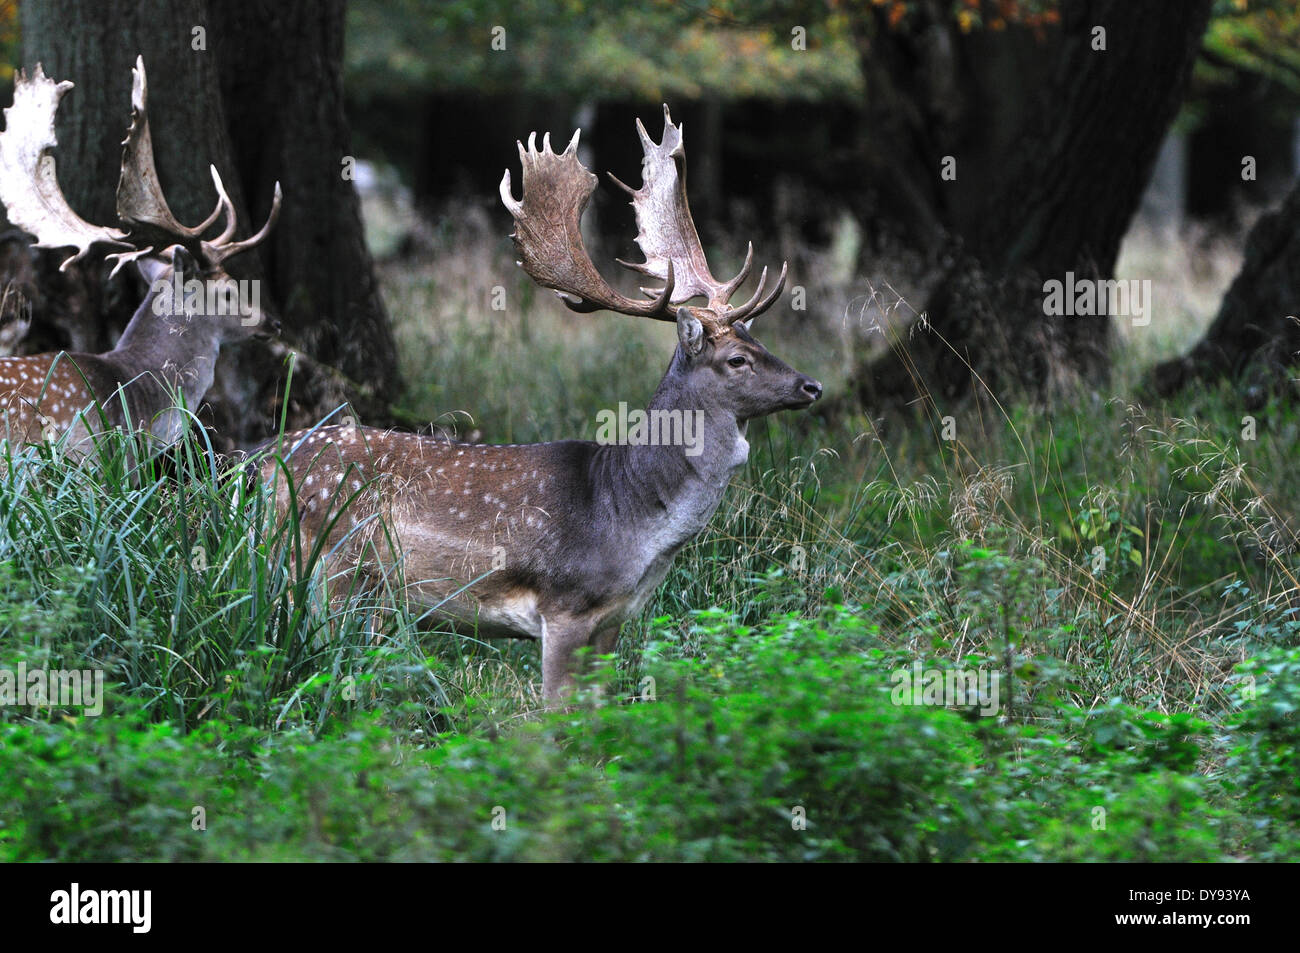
pixel 673 487
pixel 175 352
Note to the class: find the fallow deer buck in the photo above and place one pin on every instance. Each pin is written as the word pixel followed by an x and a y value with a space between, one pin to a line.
pixel 560 541
pixel 193 306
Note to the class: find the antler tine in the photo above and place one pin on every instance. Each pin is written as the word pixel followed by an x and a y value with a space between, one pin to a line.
pixel 659 301
pixel 29 186
pixel 220 252
pixel 754 306
pixel 548 235
pixel 727 290
pixel 716 300
pixel 122 258
pixel 223 201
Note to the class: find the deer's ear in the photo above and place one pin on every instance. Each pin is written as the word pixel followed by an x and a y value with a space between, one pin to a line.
pixel 154 268
pixel 183 262
pixel 690 332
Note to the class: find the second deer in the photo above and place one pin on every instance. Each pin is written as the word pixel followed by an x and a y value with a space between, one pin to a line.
pixel 170 347
pixel 560 542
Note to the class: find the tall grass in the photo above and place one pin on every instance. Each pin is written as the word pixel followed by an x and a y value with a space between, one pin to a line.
pixel 172 573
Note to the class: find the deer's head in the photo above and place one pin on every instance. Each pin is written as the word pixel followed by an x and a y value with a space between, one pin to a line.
pixel 187 298
pixel 719 365
pixel 734 372
pixel 189 287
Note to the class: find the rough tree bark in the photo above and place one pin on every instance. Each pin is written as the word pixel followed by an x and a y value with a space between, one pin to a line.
pixel 1256 334
pixel 280 63
pixel 1064 203
pixel 913 106
pixel 255 89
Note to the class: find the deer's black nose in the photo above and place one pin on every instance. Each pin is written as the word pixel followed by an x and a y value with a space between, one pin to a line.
pixel 812 388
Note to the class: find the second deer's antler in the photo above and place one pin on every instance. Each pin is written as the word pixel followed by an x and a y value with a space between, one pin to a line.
pixel 29 186
pixel 34 202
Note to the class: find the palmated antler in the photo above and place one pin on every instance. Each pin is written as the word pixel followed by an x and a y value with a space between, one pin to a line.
pixel 34 202
pixel 142 206
pixel 29 186
pixel 547 235
pixel 669 241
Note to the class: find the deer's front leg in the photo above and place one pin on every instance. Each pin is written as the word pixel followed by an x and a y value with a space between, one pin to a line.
pixel 561 639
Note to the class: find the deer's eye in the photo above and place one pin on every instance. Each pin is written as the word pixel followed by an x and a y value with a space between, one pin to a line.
pixel 737 361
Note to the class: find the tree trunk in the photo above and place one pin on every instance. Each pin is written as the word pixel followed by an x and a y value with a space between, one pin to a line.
pixel 255 89
pixel 912 109
pixel 1064 203
pixel 280 63
pixel 1256 334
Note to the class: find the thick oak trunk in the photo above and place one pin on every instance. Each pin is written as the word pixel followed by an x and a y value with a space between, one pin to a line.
pixel 1065 200
pixel 280 65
